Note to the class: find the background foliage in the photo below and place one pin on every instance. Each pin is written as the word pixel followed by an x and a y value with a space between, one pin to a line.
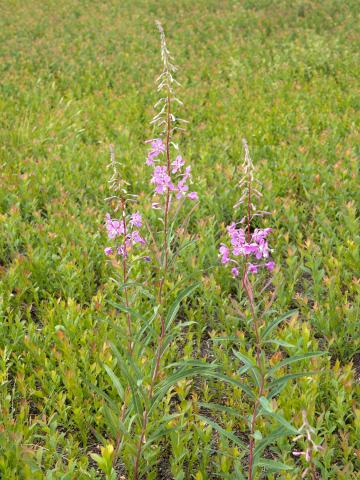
pixel 78 75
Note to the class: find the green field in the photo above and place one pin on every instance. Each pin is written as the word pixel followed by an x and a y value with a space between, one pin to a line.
pixel 79 75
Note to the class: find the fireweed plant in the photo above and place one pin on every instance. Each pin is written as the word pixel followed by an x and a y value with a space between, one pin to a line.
pixel 125 246
pixel 247 256
pixel 139 373
pixel 170 179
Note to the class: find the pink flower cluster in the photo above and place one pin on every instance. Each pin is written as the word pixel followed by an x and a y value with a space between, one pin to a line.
pixel 116 228
pixel 254 248
pixel 162 178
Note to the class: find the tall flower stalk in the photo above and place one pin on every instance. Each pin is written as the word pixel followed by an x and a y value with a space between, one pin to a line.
pixel 170 179
pixel 247 254
pixel 125 238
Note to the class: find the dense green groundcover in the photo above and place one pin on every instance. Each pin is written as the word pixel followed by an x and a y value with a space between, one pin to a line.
pixel 77 75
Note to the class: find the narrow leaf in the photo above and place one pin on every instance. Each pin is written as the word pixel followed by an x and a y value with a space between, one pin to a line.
pixel 221 408
pixel 175 306
pixel 269 328
pixel 273 465
pixel 296 358
pixel 250 364
pixel 115 381
pixel 224 433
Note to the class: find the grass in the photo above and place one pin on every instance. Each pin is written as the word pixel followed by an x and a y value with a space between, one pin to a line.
pixel 78 75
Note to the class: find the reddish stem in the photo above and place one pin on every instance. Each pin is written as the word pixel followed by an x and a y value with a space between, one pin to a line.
pixel 125 275
pixel 250 294
pixel 127 304
pixel 160 295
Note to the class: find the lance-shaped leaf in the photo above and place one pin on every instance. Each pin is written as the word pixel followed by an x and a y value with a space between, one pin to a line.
pixel 176 304
pixel 267 408
pixel 232 381
pixel 268 440
pixel 229 435
pixel 295 358
pixel 272 325
pixel 221 408
pixel 277 385
pixel 273 466
pixel 116 382
pixel 254 369
pixel 188 370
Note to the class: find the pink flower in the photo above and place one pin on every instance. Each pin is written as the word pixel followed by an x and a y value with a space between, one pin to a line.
pixel 270 266
pixel 108 251
pixel 252 268
pixel 136 220
pixel 177 164
pixel 237 251
pixel 182 188
pixel 136 238
pixel 161 180
pixel 263 250
pixel 257 248
pixel 122 251
pixel 231 228
pixel 298 454
pixel 193 196
pixel 259 234
pixel 250 248
pixel 114 227
pixel 237 236
pixel 235 272
pixel 187 172
pixel 224 253
pixel 157 147
pixel 150 160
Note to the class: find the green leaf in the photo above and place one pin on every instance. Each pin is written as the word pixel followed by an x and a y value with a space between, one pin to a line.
pixel 270 327
pixel 264 402
pixel 230 338
pixel 257 435
pixel 160 432
pixel 124 308
pixel 268 440
pixel 273 465
pixel 221 408
pixel 232 381
pixel 115 381
pixel 138 395
pixel 114 422
pixel 229 435
pixel 267 407
pixel 280 343
pixel 191 370
pixel 175 306
pixel 296 358
pixel 290 376
pixel 248 361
